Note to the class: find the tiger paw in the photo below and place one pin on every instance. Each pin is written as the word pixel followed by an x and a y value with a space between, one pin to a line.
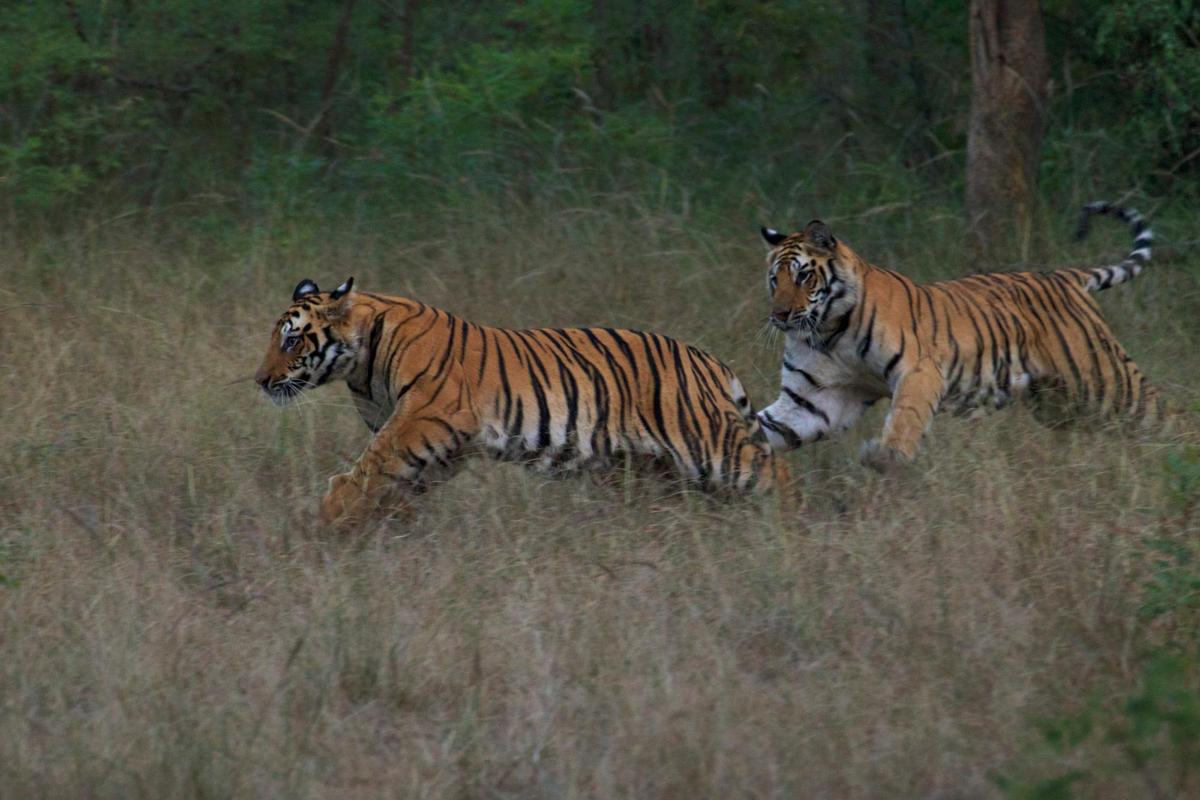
pixel 344 504
pixel 882 458
pixel 790 498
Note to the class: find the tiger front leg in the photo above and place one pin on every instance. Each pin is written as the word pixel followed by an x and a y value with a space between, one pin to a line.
pixel 915 400
pixel 346 503
pixel 799 417
pixel 407 453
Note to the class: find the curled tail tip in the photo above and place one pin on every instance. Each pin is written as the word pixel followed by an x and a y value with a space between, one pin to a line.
pixel 1123 213
pixel 1141 228
pixel 1085 218
pixel 1137 257
pixel 1083 228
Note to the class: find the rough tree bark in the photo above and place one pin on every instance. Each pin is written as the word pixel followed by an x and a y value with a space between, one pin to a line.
pixel 1009 83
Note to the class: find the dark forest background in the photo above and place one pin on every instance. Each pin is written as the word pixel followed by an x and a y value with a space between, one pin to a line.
pixel 352 106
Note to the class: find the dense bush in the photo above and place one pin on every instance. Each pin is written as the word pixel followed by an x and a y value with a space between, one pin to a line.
pixel 152 103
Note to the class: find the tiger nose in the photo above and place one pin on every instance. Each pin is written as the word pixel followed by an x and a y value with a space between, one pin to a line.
pixel 262 378
pixel 781 314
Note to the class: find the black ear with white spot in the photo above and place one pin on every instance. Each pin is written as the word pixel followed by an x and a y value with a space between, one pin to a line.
pixel 341 291
pixel 303 289
pixel 818 233
pixel 772 236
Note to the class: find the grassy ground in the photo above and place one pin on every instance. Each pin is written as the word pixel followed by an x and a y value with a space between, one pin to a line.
pixel 170 626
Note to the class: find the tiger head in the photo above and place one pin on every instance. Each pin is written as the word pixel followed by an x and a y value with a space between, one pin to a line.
pixel 805 278
pixel 310 343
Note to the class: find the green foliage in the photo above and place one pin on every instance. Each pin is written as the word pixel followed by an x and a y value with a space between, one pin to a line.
pixel 1153 730
pixel 1171 595
pixel 496 100
pixel 1174 585
pixel 1183 480
pixel 1056 788
pixel 1153 733
pixel 1126 95
pixel 1161 720
pixel 1154 45
pixel 265 102
pixel 148 96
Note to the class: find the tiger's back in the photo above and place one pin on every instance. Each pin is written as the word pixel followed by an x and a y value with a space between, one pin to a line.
pixel 999 336
pixel 582 397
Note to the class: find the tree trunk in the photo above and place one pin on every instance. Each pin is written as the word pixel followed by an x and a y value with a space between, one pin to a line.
pixel 1009 80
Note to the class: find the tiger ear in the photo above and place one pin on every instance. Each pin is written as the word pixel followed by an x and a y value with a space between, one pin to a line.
pixel 303 289
pixel 339 302
pixel 772 236
pixel 819 234
pixel 340 291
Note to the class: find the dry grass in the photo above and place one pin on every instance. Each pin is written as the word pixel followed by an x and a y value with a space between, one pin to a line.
pixel 170 626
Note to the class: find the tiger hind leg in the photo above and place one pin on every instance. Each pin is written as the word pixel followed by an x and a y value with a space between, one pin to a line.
pixel 1113 390
pixel 1053 405
pixel 1142 404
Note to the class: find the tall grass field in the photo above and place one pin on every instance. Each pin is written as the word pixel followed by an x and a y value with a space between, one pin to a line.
pixel 1016 615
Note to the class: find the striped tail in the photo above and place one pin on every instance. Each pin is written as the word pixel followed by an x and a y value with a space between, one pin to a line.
pixel 1104 277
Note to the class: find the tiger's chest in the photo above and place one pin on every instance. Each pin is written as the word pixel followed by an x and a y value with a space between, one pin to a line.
pixel 842 367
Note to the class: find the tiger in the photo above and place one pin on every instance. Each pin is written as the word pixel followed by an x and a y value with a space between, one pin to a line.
pixel 435 389
pixel 856 333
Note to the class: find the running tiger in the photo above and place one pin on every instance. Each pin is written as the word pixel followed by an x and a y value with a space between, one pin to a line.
pixel 435 388
pixel 857 333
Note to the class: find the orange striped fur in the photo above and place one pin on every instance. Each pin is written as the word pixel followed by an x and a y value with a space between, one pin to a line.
pixel 857 333
pixel 436 389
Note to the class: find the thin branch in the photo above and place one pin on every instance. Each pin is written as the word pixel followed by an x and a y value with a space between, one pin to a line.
pixel 337 52
pixel 76 21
